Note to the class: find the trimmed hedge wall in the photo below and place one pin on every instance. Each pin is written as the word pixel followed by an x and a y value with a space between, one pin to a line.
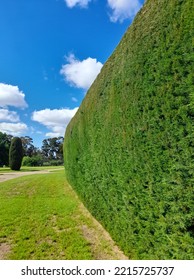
pixel 129 150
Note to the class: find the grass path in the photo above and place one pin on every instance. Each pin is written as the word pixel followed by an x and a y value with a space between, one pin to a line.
pixel 41 217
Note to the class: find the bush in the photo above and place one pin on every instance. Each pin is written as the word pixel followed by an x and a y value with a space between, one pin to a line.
pixel 26 161
pixel 15 154
pixel 55 162
pixel 32 161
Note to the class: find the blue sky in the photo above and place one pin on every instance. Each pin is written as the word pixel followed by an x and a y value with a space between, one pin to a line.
pixel 50 53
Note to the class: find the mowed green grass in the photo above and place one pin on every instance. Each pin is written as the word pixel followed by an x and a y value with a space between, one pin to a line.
pixel 41 218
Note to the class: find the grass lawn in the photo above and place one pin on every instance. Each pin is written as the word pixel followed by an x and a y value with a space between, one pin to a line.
pixel 42 218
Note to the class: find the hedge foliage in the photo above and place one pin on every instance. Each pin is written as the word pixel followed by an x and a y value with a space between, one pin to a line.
pixel 129 150
pixel 15 153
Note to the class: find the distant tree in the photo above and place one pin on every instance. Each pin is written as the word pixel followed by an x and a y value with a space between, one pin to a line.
pixel 52 148
pixel 5 141
pixel 15 153
pixel 28 147
pixel 45 149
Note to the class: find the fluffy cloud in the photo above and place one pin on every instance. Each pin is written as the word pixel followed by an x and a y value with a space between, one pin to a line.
pixel 123 9
pixel 120 9
pixel 11 96
pixel 81 74
pixel 6 115
pixel 13 128
pixel 73 3
pixel 55 120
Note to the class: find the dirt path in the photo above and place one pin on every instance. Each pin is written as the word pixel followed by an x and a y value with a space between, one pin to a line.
pixel 9 176
pixel 13 175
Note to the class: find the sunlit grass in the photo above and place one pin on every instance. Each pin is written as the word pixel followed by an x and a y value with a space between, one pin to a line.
pixel 41 217
pixel 38 218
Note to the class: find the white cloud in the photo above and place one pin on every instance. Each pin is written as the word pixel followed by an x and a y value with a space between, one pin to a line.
pixel 81 74
pixel 55 120
pixel 10 121
pixel 123 9
pixel 11 96
pixel 13 128
pixel 57 132
pixel 73 3
pixel 6 115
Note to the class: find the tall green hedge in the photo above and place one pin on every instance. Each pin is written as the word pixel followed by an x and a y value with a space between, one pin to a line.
pixel 15 153
pixel 129 150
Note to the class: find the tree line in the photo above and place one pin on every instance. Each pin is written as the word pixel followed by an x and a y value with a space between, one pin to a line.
pixel 50 153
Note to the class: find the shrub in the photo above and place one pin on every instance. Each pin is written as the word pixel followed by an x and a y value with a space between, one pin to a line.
pixel 55 162
pixel 32 161
pixel 26 161
pixel 15 154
